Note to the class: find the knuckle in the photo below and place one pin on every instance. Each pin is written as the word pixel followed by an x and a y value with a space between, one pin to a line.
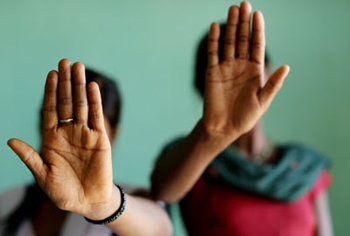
pixel 212 40
pixel 65 101
pixel 29 156
pixel 258 45
pixel 234 25
pixel 64 78
pixel 80 85
pixel 270 86
pixel 255 60
pixel 50 90
pixel 242 38
pixel 80 103
pixel 228 58
pixel 95 115
pixel 242 56
pixel 212 53
pixel 230 41
pixel 49 108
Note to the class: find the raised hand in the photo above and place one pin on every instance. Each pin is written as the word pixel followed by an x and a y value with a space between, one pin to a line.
pixel 75 166
pixel 236 92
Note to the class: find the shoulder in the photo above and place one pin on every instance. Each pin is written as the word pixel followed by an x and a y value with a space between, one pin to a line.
pixel 10 199
pixel 322 183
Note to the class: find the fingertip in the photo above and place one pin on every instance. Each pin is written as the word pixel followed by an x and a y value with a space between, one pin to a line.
pixel 287 67
pixel 285 70
pixel 13 142
pixel 215 29
pixel 64 62
pixel 52 74
pixel 258 21
pixel 78 66
pixel 93 85
pixel 246 6
pixel 214 25
pixel 10 142
pixel 258 14
pixel 51 80
pixel 93 88
pixel 234 9
pixel 78 70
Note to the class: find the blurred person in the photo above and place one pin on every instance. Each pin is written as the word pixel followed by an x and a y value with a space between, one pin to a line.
pixel 233 184
pixel 73 172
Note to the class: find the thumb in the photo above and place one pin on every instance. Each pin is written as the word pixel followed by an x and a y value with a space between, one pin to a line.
pixel 30 157
pixel 272 86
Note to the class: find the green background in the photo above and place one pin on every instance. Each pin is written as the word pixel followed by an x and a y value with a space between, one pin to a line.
pixel 149 46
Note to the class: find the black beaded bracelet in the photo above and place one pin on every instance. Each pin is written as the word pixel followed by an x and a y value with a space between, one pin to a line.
pixel 115 215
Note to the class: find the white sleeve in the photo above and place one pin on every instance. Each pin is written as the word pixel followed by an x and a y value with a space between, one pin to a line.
pixel 9 200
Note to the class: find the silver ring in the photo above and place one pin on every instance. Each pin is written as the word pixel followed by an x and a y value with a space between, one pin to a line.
pixel 66 121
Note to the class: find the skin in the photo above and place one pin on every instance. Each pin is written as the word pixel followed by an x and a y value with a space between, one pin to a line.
pixel 237 94
pixel 238 91
pixel 75 168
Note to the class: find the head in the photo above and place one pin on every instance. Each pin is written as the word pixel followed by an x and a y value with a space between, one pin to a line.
pixel 201 60
pixel 111 101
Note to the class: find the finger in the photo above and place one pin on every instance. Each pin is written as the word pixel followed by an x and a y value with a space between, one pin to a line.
pixel 95 107
pixel 257 47
pixel 230 35
pixel 50 118
pixel 31 158
pixel 272 86
pixel 81 109
pixel 65 104
pixel 213 45
pixel 243 31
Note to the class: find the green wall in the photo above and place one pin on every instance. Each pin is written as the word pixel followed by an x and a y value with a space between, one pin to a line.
pixel 149 46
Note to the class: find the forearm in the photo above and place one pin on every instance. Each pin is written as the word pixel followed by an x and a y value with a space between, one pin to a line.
pixel 323 216
pixel 179 168
pixel 142 217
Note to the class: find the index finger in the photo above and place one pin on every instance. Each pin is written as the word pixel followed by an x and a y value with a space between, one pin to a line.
pixel 213 45
pixel 95 107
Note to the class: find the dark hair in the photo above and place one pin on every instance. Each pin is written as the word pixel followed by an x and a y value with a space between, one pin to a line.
pixel 202 58
pixel 34 196
pixel 110 94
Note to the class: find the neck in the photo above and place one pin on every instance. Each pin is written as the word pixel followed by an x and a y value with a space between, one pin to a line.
pixel 253 143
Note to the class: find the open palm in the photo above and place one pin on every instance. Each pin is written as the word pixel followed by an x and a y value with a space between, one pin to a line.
pixel 236 95
pixel 74 168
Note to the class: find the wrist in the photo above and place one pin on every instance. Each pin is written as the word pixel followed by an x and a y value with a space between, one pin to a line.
pixel 206 144
pixel 214 136
pixel 103 210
